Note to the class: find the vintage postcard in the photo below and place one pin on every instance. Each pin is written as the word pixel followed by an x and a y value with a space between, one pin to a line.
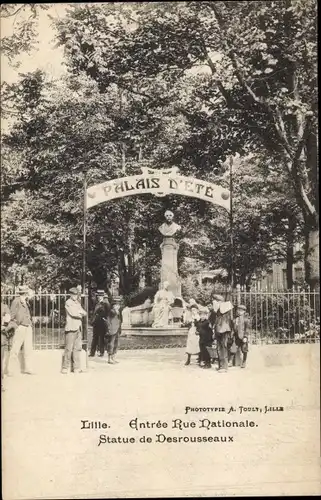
pixel 160 283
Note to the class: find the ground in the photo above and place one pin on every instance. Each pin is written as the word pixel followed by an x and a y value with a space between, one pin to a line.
pixel 47 455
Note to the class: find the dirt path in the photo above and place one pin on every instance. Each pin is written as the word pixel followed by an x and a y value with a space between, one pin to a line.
pixel 46 454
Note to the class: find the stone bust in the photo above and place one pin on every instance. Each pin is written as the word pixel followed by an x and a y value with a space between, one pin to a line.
pixel 169 228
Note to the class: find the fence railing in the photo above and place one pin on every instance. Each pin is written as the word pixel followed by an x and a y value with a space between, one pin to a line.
pixel 276 317
pixel 49 318
pixel 282 316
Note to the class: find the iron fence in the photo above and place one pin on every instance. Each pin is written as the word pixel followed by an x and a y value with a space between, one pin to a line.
pixel 288 316
pixel 48 318
pixel 276 316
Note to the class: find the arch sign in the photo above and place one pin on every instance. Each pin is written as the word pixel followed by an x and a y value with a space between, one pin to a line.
pixel 159 183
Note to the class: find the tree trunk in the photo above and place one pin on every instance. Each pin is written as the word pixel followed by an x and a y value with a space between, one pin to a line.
pixel 248 282
pixel 148 277
pixel 290 252
pixel 142 276
pixel 126 275
pixel 289 267
pixel 311 258
pixel 122 272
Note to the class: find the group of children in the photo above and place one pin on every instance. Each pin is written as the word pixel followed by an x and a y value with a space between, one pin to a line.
pixel 215 334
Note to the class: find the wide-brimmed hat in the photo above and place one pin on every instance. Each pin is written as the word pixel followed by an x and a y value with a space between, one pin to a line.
pixel 241 306
pixel 73 291
pixel 23 289
pixel 226 307
pixel 219 298
pixel 100 293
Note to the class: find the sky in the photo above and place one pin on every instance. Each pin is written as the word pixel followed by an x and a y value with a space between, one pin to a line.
pixel 46 57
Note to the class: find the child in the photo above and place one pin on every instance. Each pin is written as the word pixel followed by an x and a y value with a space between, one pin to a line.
pixel 211 318
pixel 241 330
pixel 204 330
pixel 192 346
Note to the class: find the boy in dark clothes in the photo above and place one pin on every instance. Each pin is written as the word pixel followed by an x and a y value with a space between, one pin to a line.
pixel 204 330
pixel 242 325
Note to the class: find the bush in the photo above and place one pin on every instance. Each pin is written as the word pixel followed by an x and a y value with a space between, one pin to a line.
pixel 202 293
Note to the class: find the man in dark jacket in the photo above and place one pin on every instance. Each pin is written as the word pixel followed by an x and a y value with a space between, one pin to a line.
pixel 99 325
pixel 204 330
pixel 217 299
pixel 113 323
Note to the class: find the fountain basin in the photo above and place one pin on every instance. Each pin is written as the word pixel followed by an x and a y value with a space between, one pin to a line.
pixel 150 332
pixel 155 338
pixel 142 316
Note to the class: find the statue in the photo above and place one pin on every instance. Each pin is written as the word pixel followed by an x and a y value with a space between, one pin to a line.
pixel 169 228
pixel 169 248
pixel 163 300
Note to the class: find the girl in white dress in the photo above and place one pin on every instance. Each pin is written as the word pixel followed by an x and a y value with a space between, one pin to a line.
pixel 192 346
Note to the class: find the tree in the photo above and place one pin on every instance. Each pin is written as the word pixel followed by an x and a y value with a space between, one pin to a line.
pixel 24 19
pixel 261 91
pixel 60 133
pixel 135 91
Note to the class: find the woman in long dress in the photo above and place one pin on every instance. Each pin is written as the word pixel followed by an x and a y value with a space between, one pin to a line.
pixel 193 345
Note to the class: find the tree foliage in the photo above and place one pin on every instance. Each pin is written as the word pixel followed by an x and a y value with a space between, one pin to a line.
pixel 261 91
pixel 188 84
pixel 23 35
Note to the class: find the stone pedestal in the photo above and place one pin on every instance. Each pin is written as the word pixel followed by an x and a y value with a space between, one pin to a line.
pixel 169 270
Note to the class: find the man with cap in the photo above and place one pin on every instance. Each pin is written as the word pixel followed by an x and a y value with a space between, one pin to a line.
pixel 242 325
pixel 217 299
pixel 223 327
pixel 205 332
pixel 73 346
pixel 113 324
pixel 22 324
pixel 99 325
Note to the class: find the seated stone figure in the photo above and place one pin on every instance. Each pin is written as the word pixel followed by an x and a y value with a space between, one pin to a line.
pixel 163 301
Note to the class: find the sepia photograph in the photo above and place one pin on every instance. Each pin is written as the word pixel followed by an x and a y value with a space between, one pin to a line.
pixel 160 278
